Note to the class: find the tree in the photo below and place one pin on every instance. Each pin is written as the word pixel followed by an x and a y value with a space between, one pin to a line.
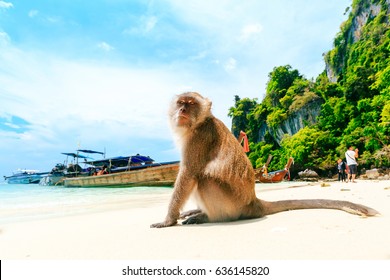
pixel 280 80
pixel 239 113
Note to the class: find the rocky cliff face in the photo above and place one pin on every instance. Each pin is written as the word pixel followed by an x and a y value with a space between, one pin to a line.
pixel 330 72
pixel 365 11
pixel 307 115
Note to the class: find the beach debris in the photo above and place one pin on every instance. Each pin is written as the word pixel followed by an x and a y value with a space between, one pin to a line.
pixel 325 184
pixel 308 175
pixel 343 190
pixel 372 174
pixel 385 177
pixel 376 174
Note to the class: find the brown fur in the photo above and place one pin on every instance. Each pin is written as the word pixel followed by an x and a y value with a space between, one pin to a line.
pixel 215 169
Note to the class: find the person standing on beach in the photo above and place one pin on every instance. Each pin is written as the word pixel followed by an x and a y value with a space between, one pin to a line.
pixel 351 156
pixel 341 169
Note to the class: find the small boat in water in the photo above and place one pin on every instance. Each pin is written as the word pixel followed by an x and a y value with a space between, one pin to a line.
pixel 263 176
pixel 25 176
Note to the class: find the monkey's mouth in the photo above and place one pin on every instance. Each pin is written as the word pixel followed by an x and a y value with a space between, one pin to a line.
pixel 182 119
pixel 182 115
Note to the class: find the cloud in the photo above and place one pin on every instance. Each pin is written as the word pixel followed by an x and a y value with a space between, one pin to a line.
pixel 54 19
pixel 33 13
pixel 260 35
pixel 13 123
pixel 69 101
pixel 105 46
pixel 43 18
pixel 249 31
pixel 5 5
pixel 4 38
pixel 199 56
pixel 123 108
pixel 150 23
pixel 64 99
pixel 144 25
pixel 230 64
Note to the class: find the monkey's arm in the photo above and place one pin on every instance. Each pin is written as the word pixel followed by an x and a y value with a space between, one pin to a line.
pixel 184 186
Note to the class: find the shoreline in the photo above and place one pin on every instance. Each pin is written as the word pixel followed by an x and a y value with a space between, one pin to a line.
pixel 123 232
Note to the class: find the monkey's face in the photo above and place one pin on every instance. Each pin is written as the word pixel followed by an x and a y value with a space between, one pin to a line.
pixel 189 109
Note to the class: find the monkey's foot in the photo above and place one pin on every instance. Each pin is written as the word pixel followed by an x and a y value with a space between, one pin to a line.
pixel 163 224
pixel 189 213
pixel 199 218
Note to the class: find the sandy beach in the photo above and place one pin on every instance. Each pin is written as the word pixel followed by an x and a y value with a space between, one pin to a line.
pixel 123 232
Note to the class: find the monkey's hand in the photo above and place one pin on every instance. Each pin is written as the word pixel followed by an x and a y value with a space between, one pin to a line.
pixel 166 223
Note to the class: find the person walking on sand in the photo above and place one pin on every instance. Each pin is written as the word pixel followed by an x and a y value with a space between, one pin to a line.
pixel 350 156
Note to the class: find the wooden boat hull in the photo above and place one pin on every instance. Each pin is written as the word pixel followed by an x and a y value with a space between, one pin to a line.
pixel 262 176
pixel 164 175
pixel 270 177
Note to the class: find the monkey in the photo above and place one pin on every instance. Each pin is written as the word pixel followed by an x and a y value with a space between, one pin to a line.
pixel 216 171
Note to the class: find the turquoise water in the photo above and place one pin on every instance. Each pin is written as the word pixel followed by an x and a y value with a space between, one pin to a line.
pixel 21 202
pixel 25 202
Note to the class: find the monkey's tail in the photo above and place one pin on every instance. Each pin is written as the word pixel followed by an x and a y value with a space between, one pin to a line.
pixel 272 207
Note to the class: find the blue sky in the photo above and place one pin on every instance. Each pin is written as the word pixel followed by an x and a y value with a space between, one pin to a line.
pixel 100 74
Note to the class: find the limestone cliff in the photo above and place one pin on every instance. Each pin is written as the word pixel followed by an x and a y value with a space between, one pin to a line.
pixel 351 32
pixel 307 115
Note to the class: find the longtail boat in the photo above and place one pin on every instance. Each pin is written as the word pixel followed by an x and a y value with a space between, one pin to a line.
pixel 120 171
pixel 156 174
pixel 262 175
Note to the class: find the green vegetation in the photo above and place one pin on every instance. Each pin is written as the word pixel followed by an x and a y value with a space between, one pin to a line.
pixel 355 106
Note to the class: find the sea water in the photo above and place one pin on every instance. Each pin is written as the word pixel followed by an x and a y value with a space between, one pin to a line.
pixel 24 202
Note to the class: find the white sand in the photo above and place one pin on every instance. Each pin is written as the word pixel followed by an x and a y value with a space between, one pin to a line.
pixel 302 234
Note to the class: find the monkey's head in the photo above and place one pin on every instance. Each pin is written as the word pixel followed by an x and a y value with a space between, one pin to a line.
pixel 188 110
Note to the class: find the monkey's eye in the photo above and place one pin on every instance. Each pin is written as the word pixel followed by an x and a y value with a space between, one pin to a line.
pixel 184 102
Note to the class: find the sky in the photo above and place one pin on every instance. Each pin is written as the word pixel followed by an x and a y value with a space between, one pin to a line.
pixel 100 74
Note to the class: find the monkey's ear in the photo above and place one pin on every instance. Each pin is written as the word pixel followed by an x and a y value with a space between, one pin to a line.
pixel 209 103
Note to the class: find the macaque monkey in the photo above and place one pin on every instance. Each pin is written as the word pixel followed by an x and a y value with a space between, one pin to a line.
pixel 216 171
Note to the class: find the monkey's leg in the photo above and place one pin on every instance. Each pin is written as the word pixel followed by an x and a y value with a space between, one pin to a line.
pixel 189 213
pixel 184 186
pixel 199 218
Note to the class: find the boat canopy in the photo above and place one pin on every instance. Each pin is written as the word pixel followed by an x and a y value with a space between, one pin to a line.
pixel 122 161
pixel 75 155
pixel 90 152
